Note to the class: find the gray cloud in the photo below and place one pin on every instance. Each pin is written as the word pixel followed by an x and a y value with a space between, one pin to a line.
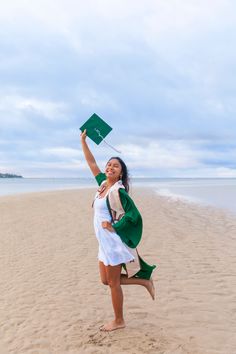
pixel 159 73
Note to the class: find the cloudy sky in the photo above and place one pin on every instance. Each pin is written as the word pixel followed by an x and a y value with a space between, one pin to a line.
pixel 162 73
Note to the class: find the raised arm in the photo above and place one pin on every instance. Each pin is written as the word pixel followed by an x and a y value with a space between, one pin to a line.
pixel 88 155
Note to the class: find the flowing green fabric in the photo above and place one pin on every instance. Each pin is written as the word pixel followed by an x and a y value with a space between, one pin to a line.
pixel 129 227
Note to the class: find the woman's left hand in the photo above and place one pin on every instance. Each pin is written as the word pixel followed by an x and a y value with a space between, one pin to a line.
pixel 107 225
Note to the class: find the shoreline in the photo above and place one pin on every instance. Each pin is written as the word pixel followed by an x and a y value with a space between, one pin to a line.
pixel 187 201
pixel 221 195
pixel 52 300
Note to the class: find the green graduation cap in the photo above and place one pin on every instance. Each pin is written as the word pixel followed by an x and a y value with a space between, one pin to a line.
pixel 97 129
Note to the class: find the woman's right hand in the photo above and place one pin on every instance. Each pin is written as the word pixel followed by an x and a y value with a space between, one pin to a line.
pixel 83 135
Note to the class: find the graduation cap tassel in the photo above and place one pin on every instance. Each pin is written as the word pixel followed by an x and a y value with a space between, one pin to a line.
pixel 111 146
pixel 100 135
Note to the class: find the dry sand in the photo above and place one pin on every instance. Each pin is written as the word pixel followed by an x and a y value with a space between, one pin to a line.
pixel 52 301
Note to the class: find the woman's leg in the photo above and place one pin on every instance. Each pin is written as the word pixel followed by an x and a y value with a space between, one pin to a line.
pixel 147 283
pixel 124 280
pixel 103 273
pixel 113 279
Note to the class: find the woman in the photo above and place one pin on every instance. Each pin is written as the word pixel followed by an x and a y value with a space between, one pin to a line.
pixel 118 228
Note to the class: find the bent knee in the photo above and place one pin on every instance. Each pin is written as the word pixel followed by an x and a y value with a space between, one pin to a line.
pixel 113 284
pixel 104 281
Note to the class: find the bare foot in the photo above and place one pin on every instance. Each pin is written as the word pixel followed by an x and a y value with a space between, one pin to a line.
pixel 111 326
pixel 150 288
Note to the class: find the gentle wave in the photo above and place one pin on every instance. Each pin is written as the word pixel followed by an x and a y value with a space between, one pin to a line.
pixel 218 193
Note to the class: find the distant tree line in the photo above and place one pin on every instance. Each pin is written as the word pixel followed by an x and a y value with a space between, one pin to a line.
pixel 9 175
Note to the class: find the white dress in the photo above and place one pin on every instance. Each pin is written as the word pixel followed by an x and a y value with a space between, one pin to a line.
pixel 112 251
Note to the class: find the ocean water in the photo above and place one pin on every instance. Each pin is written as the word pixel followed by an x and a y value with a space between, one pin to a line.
pixel 218 192
pixel 10 186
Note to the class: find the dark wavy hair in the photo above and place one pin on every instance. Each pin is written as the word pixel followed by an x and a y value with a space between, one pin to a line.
pixel 124 171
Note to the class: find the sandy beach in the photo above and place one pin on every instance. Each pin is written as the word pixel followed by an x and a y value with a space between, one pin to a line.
pixel 52 300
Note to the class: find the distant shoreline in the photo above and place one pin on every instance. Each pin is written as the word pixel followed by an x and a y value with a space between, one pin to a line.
pixel 9 175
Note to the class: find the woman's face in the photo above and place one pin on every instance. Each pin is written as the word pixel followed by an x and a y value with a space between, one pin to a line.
pixel 113 170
